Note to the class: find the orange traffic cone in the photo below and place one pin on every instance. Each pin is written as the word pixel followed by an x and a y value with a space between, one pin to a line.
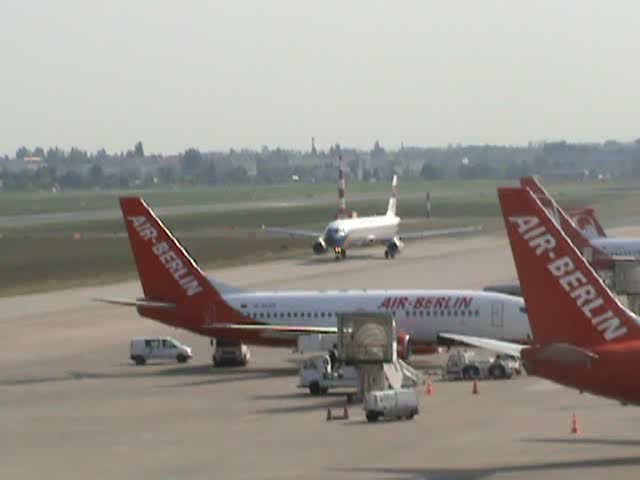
pixel 429 390
pixel 575 426
pixel 328 414
pixel 346 412
pixel 475 390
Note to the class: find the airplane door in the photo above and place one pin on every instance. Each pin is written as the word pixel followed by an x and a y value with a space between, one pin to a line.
pixel 497 314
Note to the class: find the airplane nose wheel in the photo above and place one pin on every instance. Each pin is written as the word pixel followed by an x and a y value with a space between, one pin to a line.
pixel 341 253
pixel 388 255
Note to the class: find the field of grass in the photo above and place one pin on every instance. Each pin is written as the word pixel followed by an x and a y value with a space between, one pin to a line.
pixel 26 203
pixel 46 257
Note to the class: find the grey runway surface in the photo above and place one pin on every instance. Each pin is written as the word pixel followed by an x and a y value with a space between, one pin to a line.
pixel 72 406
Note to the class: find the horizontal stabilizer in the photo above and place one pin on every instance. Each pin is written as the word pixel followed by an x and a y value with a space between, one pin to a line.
pixel 499 346
pixel 567 355
pixel 441 232
pixel 135 303
pixel 256 327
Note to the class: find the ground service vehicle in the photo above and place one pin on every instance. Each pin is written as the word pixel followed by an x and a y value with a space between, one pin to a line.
pixel 468 365
pixel 230 353
pixel 317 375
pixel 398 403
pixel 143 349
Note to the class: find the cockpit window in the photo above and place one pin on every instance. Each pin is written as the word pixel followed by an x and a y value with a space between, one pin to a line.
pixel 523 310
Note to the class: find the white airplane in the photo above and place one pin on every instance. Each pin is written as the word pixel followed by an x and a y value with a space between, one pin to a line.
pixel 177 293
pixel 344 233
pixel 599 250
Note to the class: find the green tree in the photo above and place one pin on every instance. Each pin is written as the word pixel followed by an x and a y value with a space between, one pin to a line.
pixel 23 152
pixel 39 152
pixel 138 149
pixel 238 175
pixel 191 161
pixel 96 173
pixel 212 178
pixel 430 172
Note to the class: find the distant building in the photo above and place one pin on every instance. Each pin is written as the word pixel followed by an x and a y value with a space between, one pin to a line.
pixel 33 163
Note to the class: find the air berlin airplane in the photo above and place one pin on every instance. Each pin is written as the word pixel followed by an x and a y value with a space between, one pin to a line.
pixel 583 337
pixel 177 293
pixel 599 249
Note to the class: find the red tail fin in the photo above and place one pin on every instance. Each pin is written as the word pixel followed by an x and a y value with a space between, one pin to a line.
pixel 581 242
pixel 566 301
pixel 169 274
pixel 166 270
pixel 586 221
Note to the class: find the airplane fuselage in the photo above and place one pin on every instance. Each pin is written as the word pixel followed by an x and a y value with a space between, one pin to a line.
pixel 617 247
pixel 350 232
pixel 422 314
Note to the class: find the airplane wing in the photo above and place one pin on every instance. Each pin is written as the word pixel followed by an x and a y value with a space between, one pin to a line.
pixel 135 303
pixel 500 346
pixel 560 353
pixel 255 327
pixel 440 232
pixel 291 232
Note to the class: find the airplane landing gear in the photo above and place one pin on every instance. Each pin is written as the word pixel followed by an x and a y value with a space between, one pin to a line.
pixel 341 253
pixel 388 254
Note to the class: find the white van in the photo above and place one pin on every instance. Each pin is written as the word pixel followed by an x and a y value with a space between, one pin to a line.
pixel 144 349
pixel 401 403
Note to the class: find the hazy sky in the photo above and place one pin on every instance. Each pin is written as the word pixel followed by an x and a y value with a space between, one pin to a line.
pixel 216 75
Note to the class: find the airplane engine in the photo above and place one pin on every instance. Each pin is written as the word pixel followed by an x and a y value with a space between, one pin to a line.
pixel 393 248
pixel 319 247
pixel 403 341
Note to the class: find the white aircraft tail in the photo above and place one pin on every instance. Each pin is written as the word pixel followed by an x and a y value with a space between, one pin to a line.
pixel 391 209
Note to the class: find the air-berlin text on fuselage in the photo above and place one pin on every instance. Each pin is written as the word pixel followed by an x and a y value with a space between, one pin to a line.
pixel 572 280
pixel 167 256
pixel 421 303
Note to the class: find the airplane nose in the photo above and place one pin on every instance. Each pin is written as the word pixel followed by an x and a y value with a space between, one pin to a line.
pixel 334 240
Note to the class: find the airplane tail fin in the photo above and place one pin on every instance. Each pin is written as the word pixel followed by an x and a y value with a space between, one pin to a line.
pixel 168 273
pixel 342 202
pixel 587 222
pixel 581 242
pixel 391 209
pixel 566 301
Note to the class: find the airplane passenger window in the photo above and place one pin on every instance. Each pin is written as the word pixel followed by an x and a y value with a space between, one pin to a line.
pixel 288 314
pixel 322 314
pixel 421 313
pixel 315 314
pixel 261 315
pixel 477 312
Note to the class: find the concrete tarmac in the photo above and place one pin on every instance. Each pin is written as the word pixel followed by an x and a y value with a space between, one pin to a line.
pixel 72 406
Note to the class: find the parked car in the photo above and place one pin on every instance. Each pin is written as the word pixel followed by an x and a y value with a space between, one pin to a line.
pixel 143 349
